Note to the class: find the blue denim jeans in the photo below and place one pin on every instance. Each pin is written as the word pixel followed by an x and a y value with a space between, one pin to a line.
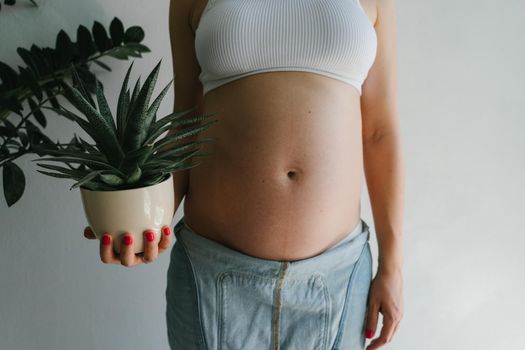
pixel 221 299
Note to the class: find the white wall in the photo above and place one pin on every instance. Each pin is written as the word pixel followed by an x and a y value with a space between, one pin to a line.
pixel 461 89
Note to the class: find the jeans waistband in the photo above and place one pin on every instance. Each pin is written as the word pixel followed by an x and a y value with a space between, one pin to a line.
pixel 219 257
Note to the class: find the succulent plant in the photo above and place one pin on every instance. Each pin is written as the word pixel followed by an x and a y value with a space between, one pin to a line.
pixel 126 153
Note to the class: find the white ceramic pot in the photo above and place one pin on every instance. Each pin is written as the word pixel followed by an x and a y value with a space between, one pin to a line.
pixel 133 211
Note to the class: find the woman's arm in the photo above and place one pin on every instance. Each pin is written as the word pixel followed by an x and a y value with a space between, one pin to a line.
pixel 383 160
pixel 188 89
pixel 384 171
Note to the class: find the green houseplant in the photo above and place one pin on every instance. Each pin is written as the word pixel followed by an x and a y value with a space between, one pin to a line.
pixel 36 82
pixel 125 178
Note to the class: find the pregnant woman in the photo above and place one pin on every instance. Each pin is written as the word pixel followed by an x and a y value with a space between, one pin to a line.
pixel 272 252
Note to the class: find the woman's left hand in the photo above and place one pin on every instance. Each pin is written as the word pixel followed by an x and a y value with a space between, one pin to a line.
pixel 386 297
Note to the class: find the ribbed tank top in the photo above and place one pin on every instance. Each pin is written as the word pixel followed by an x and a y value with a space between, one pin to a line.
pixel 237 38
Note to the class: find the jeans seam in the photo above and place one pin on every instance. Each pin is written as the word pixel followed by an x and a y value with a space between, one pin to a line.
pixel 202 343
pixel 276 314
pixel 220 305
pixel 350 284
pixel 327 314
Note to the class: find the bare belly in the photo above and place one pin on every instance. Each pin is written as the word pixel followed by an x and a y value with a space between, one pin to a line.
pixel 284 178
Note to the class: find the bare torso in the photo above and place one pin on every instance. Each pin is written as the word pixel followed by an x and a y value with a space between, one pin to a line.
pixel 285 175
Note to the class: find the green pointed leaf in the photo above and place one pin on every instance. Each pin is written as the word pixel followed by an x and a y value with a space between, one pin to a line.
pixel 116 30
pixel 134 34
pixel 92 164
pixel 178 148
pixel 85 43
pixel 138 156
pixel 23 138
pixel 123 105
pixel 134 95
pixel 8 76
pixel 66 153
pixel 14 182
pixel 130 51
pixel 178 167
pixel 102 40
pixel 111 179
pixel 11 128
pixel 155 133
pixel 79 84
pixel 33 132
pixel 44 67
pixel 103 107
pixel 29 60
pixel 181 157
pixel 158 164
pixel 136 128
pixel 104 135
pixel 51 97
pixel 63 170
pixel 87 127
pixel 118 53
pixel 152 110
pixel 182 134
pixel 87 146
pixel 88 78
pixel 63 49
pixel 170 118
pixel 134 175
pixel 86 178
pixel 137 47
pixel 57 175
pixel 28 78
pixel 12 103
pixel 103 65
pixel 37 113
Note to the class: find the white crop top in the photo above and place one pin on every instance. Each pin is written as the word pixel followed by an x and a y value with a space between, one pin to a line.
pixel 237 38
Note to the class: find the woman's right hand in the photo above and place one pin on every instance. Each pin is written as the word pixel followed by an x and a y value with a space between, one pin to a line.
pixel 126 256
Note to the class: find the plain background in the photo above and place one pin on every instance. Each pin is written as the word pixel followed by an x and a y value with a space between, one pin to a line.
pixel 462 86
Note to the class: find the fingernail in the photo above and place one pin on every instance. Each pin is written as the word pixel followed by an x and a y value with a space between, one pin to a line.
pixel 128 240
pixel 150 235
pixel 106 239
pixel 166 230
pixel 369 333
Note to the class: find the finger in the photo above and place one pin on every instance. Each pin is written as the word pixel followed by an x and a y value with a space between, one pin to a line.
pixel 107 255
pixel 88 233
pixel 166 239
pixel 392 316
pixel 150 248
pixel 371 320
pixel 395 330
pixel 385 336
pixel 397 324
pixel 127 254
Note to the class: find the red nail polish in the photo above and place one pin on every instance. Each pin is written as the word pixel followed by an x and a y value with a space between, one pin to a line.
pixel 166 230
pixel 369 333
pixel 128 240
pixel 150 235
pixel 106 239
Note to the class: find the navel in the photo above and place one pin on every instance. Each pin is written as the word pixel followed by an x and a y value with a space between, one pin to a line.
pixel 292 174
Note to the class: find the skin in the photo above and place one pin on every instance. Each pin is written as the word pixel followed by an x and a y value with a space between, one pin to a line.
pixel 284 178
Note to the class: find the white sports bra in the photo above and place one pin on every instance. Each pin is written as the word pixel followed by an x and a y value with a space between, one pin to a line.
pixel 237 38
